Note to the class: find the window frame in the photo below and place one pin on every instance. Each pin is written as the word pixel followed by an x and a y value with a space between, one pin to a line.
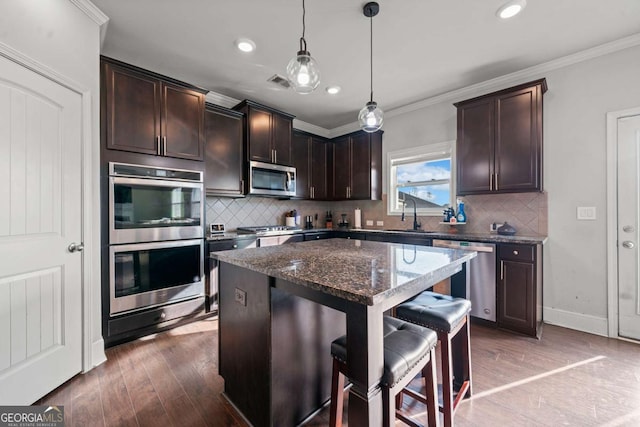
pixel 428 152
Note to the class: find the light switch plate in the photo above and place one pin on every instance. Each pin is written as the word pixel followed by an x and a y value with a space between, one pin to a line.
pixel 586 213
pixel 369 222
pixel 241 297
pixel 379 223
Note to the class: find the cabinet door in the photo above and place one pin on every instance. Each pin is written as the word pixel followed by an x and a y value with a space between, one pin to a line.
pixel 182 122
pixel 281 142
pixel 132 113
pixel 318 165
pixel 259 125
pixel 360 167
pixel 474 147
pixel 341 168
pixel 516 297
pixel 223 152
pixel 300 157
pixel 518 140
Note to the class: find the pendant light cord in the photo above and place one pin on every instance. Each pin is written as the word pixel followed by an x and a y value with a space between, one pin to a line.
pixel 370 54
pixel 303 42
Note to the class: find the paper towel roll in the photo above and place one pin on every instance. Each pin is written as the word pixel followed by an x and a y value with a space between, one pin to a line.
pixel 357 221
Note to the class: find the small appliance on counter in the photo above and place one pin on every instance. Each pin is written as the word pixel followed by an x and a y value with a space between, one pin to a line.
pixel 308 222
pixel 343 222
pixel 216 228
pixel 506 230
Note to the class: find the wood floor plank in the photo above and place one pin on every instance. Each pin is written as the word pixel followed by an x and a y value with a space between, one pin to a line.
pixel 116 403
pixel 566 378
pixel 146 403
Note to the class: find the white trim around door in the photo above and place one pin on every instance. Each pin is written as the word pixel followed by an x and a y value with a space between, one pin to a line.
pixel 612 216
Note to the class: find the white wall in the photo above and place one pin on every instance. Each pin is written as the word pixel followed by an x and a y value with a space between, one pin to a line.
pixel 579 96
pixel 60 36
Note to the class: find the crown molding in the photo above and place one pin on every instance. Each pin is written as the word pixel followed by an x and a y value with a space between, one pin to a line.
pixel 311 128
pixel 91 10
pixel 222 100
pixel 520 76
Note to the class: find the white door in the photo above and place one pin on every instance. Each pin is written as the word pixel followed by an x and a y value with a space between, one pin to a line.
pixel 628 223
pixel 40 215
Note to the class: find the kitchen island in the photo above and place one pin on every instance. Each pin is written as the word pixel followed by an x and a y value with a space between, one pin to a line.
pixel 281 306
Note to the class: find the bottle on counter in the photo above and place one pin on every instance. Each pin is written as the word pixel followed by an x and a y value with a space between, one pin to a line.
pixel 462 216
pixel 329 220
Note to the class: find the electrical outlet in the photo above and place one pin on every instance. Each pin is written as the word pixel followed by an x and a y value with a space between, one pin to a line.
pixel 586 213
pixel 369 222
pixel 379 223
pixel 241 297
pixel 494 226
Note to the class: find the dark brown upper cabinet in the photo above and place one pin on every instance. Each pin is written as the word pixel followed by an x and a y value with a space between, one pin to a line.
pixel 267 133
pixel 151 114
pixel 499 141
pixel 223 151
pixel 356 166
pixel 310 158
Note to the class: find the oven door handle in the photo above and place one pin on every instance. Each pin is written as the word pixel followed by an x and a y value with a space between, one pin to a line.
pixel 118 180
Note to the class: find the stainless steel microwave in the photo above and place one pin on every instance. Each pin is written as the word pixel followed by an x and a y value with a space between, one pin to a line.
pixel 268 179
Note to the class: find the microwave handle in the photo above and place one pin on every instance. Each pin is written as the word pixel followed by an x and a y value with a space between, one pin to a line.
pixel 288 181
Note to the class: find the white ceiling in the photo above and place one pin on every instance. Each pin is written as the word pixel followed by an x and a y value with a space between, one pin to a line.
pixel 422 48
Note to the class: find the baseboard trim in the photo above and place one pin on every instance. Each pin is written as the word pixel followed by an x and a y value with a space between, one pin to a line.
pixel 578 321
pixel 98 355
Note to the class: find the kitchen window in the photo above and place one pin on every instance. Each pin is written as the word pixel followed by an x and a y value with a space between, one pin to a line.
pixel 423 175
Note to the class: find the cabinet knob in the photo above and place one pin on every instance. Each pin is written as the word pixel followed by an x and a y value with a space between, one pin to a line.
pixel 235 246
pixel 516 252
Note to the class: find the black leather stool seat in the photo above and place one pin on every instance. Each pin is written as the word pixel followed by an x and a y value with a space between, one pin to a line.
pixel 435 311
pixel 405 345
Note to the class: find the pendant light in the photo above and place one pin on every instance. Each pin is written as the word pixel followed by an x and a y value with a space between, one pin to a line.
pixel 302 71
pixel 371 116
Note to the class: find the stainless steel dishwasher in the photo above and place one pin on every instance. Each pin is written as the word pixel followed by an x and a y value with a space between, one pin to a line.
pixel 481 276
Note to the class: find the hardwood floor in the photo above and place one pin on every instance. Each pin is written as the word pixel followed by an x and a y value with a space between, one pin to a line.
pixel 566 378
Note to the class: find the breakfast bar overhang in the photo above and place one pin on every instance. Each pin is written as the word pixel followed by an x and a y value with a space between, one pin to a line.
pixel 281 306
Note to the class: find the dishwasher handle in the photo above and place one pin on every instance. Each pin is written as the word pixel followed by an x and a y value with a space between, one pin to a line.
pixel 471 246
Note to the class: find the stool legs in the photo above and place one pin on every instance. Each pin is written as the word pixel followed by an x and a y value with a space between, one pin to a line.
pixel 455 342
pixel 337 395
pixel 389 410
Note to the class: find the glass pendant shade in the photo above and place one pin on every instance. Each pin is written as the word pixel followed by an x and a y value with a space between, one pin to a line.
pixel 370 117
pixel 303 73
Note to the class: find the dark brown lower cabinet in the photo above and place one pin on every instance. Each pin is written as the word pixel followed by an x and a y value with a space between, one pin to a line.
pixel 520 288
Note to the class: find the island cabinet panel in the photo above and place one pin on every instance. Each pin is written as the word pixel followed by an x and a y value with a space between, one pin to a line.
pixel 357 166
pixel 499 141
pixel 267 133
pixel 223 151
pixel 519 290
pixel 310 158
pixel 274 348
pixel 244 340
pixel 146 113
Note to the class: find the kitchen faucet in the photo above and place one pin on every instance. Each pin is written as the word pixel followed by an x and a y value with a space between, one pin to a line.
pixel 416 224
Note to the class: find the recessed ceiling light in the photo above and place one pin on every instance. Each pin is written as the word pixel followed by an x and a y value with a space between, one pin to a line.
pixel 245 45
pixel 511 9
pixel 332 90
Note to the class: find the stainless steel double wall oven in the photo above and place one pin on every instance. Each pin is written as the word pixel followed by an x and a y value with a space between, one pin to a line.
pixel 156 236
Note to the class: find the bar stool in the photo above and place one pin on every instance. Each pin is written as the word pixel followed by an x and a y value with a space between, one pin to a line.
pixel 448 316
pixel 408 349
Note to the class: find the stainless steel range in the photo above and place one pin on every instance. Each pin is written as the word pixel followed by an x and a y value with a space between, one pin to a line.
pixel 272 235
pixel 268 230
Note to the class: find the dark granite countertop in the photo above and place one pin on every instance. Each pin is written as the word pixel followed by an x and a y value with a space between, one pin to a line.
pixel 460 235
pixel 363 271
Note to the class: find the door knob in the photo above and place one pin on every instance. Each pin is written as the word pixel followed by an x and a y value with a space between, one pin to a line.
pixel 75 247
pixel 628 244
